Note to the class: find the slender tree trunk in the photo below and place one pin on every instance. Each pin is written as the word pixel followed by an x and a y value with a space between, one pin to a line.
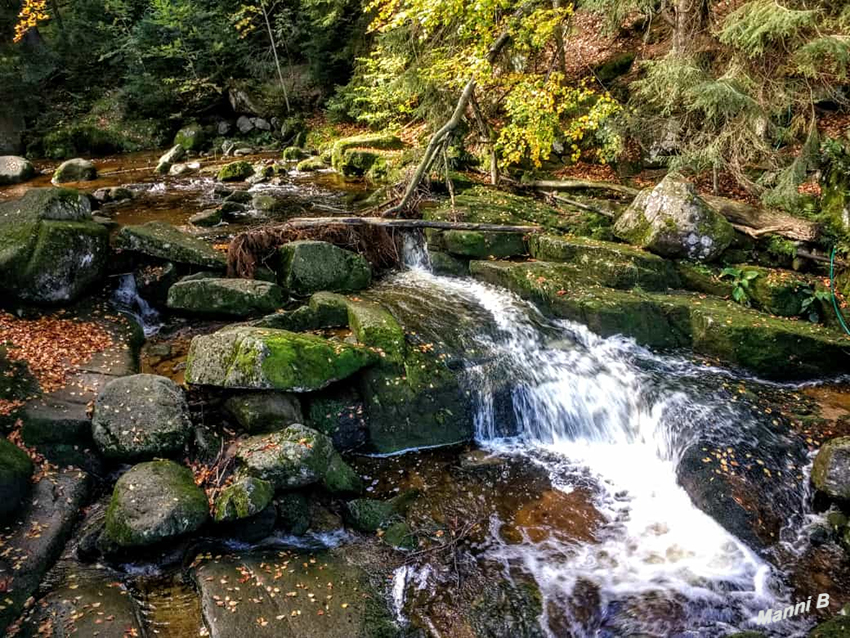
pixel 688 20
pixel 486 134
pixel 559 41
pixel 276 59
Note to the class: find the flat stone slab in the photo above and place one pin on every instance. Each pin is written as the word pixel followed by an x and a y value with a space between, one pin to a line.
pixel 31 543
pixel 289 595
pixel 164 241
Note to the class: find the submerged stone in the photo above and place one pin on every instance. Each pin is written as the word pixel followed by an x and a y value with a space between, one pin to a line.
pixel 263 358
pixel 164 241
pixel 672 220
pixel 141 416
pixel 50 249
pixel 295 457
pixel 153 502
pixel 831 469
pixel 230 297
pixel 312 266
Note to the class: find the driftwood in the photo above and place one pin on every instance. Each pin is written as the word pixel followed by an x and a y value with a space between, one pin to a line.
pixel 577 204
pixel 583 185
pixel 756 222
pixel 381 222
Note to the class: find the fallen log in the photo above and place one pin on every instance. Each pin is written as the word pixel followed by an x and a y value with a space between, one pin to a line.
pixel 382 222
pixel 582 185
pixel 760 221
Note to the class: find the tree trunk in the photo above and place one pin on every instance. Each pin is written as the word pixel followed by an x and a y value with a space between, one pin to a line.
pixel 276 60
pixel 689 19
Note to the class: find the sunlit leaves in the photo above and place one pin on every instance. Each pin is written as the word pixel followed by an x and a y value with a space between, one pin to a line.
pixel 32 13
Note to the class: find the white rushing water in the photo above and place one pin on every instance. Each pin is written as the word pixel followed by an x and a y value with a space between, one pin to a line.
pixel 588 406
pixel 126 298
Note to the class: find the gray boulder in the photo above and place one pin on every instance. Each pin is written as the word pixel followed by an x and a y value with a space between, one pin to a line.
pixel 673 221
pixel 295 457
pixel 164 241
pixel 153 502
pixel 831 469
pixel 225 297
pixel 74 170
pixel 258 412
pixel 311 266
pixel 175 154
pixel 141 416
pixel 14 169
pixel 50 249
pixel 244 124
pixel 191 137
pixel 246 497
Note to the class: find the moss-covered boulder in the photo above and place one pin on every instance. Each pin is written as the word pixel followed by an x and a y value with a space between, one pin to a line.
pixel 311 164
pixel 310 266
pixel 191 137
pixel 293 154
pixel 236 171
pixel 369 515
pixel 174 154
pixel 374 326
pixel 142 416
pixel 672 220
pixel 607 263
pixel 343 159
pixel 780 292
pixel 831 469
pixel 443 263
pixel 340 414
pixel 294 457
pixel 245 497
pixel 325 310
pixel 268 359
pixel 154 502
pixel 207 218
pixel 225 297
pixel 164 241
pixel 16 469
pixel 50 249
pixel 481 245
pixel 14 170
pixel 258 412
pixel 74 170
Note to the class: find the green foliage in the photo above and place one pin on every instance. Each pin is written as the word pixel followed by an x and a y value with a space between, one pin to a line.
pixel 814 299
pixel 740 283
pixel 757 26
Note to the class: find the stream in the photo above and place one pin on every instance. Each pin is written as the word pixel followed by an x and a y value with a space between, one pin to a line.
pixel 607 532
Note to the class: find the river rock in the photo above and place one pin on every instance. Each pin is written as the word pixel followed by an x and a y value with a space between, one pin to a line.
pixel 14 169
pixel 15 471
pixel 482 245
pixel 110 194
pixel 164 241
pixel 369 515
pixel 50 249
pixel 225 297
pixel 672 220
pixel 246 497
pixel 153 502
pixel 186 168
pixel 258 412
pixel 175 154
pixel 141 416
pixel 52 509
pixel 311 164
pixel 310 266
pixel 244 124
pixel 295 457
pixel 208 217
pixel 74 170
pixel 236 171
pixel 349 606
pixel 191 137
pixel 831 469
pixel 261 358
pixel 261 124
pixel 340 414
pixel 325 310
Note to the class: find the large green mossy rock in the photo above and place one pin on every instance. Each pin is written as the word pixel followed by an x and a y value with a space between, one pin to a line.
pixel 412 398
pixel 191 137
pixel 346 604
pixel 370 515
pixel 672 220
pixel 831 469
pixel 141 416
pixel 164 241
pixel 50 249
pixel 770 346
pixel 376 157
pixel 481 245
pixel 14 170
pixel 443 263
pixel 236 171
pixel 325 310
pixel 257 412
pixel 376 141
pixel 295 457
pixel 245 497
pixel 312 266
pixel 16 469
pixel 154 502
pixel 607 263
pixel 74 170
pixel 268 359
pixel 780 292
pixel 225 297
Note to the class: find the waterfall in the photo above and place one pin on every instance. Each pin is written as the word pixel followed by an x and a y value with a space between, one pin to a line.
pixel 126 298
pixel 604 408
pixel 414 252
